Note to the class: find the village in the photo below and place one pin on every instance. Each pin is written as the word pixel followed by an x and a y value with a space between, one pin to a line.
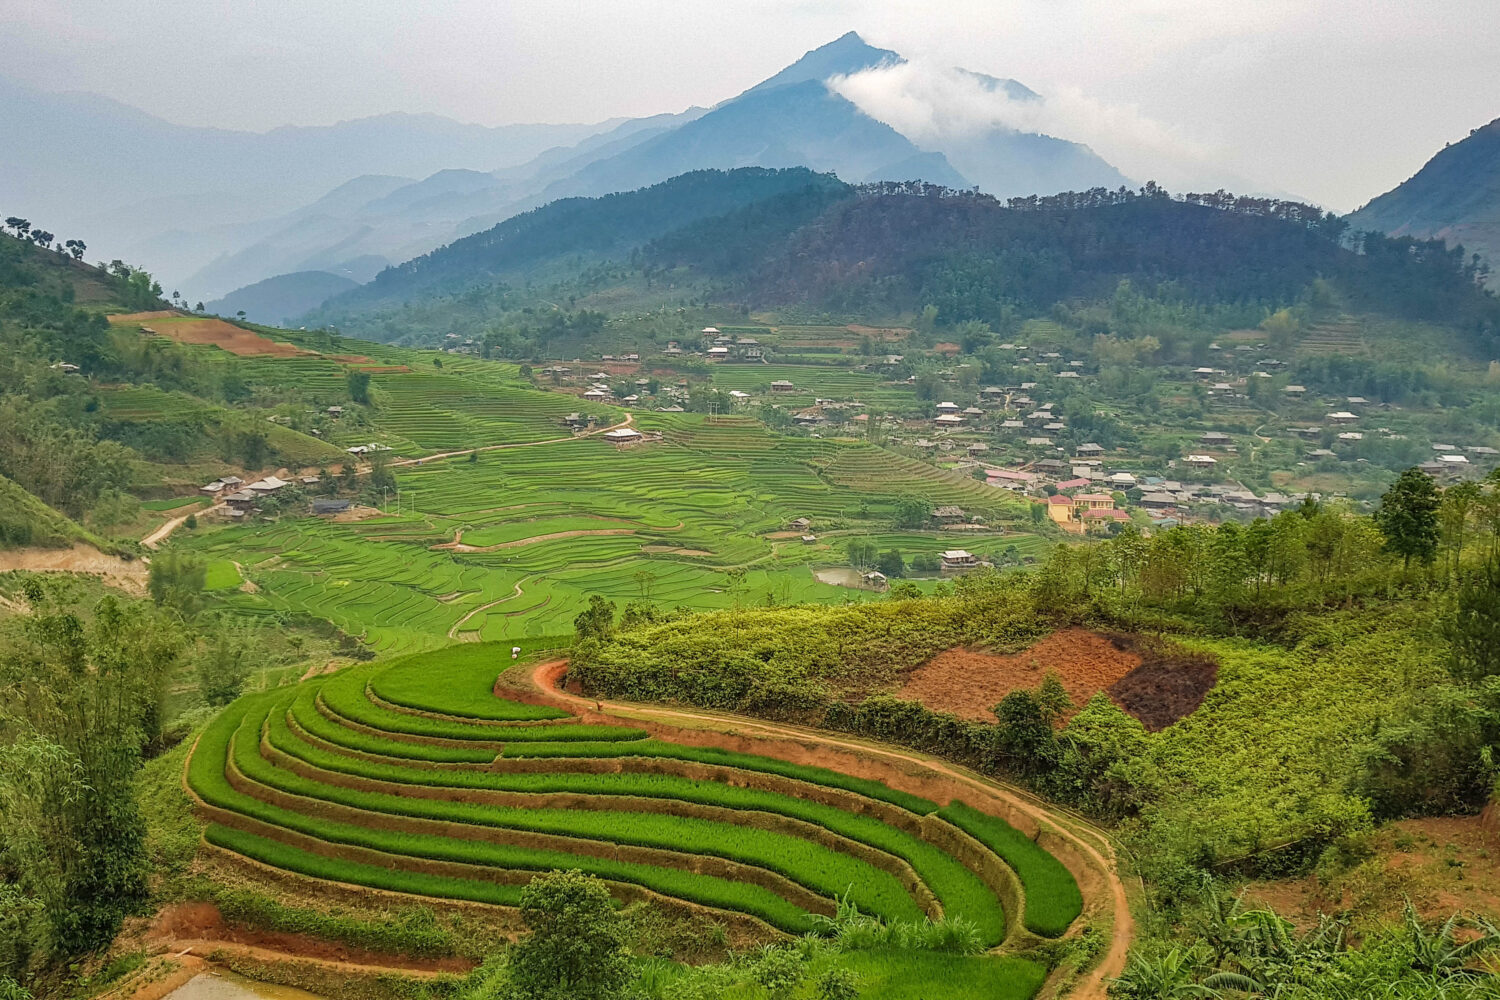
pixel 1018 437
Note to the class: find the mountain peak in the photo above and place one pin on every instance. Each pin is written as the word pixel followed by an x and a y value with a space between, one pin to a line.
pixel 843 56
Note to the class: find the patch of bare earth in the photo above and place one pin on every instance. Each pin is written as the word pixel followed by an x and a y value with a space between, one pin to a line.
pixel 969 683
pixel 1442 864
pixel 1154 682
pixel 206 330
pixel 128 576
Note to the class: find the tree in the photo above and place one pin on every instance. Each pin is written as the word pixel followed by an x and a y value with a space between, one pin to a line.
pixel 891 563
pixel 223 665
pixel 1408 517
pixel 1474 629
pixel 78 701
pixel 1053 698
pixel 1460 503
pixel 862 553
pixel 382 479
pixel 20 225
pixel 359 385
pixel 576 950
pixel 912 512
pixel 596 621
pixel 176 580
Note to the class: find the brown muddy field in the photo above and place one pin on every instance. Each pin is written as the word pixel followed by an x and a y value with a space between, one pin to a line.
pixel 1155 682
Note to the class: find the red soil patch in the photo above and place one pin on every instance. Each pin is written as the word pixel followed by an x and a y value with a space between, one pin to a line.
pixel 1156 683
pixel 206 330
pixel 969 684
pixel 383 369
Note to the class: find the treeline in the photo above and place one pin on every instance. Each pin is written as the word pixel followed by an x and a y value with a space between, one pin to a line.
pixel 900 248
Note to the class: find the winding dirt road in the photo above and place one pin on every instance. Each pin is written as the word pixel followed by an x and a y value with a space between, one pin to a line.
pixel 1089 841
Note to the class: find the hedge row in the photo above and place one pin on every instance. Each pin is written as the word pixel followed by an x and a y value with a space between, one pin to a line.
pixel 820 869
pixel 958 890
pixel 206 775
pixel 1053 900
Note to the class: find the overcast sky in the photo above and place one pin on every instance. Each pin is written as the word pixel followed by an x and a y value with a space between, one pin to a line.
pixel 1334 100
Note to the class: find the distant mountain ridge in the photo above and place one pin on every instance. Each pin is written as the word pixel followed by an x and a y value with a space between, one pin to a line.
pixel 280 300
pixel 230 209
pixel 1454 197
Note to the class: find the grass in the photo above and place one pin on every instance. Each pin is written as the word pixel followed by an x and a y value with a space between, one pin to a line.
pixel 728 758
pixel 457 680
pixel 293 859
pixel 695 505
pixel 1053 900
pixel 308 781
pixel 305 711
pixel 344 693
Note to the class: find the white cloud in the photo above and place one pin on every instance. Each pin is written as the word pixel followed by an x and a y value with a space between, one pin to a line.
pixel 933 105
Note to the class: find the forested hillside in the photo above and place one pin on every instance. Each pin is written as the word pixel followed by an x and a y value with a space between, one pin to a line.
pixel 758 240
pixel 584 229
pixel 1454 197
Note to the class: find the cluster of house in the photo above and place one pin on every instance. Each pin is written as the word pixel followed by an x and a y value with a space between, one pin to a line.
pixel 1081 494
pixel 239 498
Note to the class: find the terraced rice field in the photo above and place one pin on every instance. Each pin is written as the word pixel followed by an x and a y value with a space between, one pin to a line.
pixel 810 381
pixel 409 775
pixel 512 545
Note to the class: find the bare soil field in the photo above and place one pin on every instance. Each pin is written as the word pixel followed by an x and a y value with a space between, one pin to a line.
pixel 128 576
pixel 969 683
pixel 207 330
pixel 1155 683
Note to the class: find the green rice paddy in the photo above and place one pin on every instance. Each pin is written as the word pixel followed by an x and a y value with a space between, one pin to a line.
pixel 416 799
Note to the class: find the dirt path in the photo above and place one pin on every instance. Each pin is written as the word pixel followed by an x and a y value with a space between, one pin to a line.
pixel 453 632
pixel 158 536
pixel 1088 840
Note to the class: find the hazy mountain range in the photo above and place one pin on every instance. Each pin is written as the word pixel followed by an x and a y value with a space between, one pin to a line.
pixel 211 210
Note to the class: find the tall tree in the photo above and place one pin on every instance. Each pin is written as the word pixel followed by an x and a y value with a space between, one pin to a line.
pixel 1408 517
pixel 80 696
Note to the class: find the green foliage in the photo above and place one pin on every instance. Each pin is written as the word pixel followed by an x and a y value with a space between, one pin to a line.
pixel 1408 517
pixel 1053 900
pixel 357 382
pixel 1475 628
pixel 177 580
pixel 838 984
pixel 79 699
pixel 223 664
pixel 577 943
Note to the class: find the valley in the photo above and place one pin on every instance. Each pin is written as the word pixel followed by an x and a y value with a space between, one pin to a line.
pixel 728 556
